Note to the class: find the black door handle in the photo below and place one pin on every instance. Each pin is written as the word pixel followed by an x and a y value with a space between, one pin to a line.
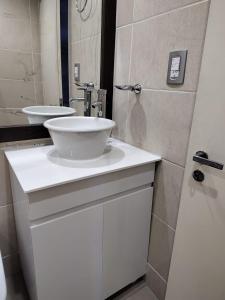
pixel 202 158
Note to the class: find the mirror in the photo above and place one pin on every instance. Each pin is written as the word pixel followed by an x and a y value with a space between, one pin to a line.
pixel 43 63
pixel 85 49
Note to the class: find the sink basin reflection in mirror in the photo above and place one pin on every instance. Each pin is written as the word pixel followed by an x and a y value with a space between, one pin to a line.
pixel 80 137
pixel 40 114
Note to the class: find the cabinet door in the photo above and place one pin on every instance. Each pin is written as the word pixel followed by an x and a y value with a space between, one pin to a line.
pixel 125 239
pixel 68 256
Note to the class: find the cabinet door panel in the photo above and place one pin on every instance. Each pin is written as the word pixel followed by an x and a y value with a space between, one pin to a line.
pixel 125 239
pixel 68 256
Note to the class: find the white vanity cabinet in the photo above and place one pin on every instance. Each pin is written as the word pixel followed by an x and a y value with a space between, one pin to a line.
pixel 125 239
pixel 68 255
pixel 83 239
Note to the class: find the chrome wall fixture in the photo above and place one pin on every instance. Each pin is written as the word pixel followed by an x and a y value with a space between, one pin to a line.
pixel 80 8
pixel 133 88
pixel 85 8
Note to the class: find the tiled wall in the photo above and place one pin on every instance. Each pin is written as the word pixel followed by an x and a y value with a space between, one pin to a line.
pixel 85 47
pixel 50 51
pixel 20 81
pixel 159 120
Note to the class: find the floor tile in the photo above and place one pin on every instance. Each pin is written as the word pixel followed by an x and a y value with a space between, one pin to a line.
pixel 17 291
pixel 138 291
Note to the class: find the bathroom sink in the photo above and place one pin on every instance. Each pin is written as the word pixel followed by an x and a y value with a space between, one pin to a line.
pixel 40 114
pixel 80 137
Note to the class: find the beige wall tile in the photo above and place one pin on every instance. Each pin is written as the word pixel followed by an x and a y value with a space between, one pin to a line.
pixel 39 93
pixel 137 128
pixel 16 65
pixel 21 37
pixel 16 93
pixel 75 57
pixel 81 28
pixel 156 283
pixel 121 76
pixel 160 122
pixel 74 22
pixel 35 37
pixel 147 8
pixel 120 113
pixel 18 9
pixel 12 116
pixel 37 67
pixel 19 66
pixel 49 54
pixel 124 14
pixel 122 55
pixel 8 243
pixel 35 10
pixel 161 246
pixel 87 53
pixel 168 183
pixel 92 26
pixel 154 38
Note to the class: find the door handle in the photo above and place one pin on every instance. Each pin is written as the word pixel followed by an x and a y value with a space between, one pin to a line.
pixel 202 158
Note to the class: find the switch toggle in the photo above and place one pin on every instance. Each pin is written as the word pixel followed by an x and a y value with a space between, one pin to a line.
pixel 77 72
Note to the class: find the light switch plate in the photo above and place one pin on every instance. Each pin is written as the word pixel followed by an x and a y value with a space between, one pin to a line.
pixel 176 67
pixel 77 72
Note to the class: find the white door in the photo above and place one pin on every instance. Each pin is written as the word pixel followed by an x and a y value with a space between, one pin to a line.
pixel 68 256
pixel 198 263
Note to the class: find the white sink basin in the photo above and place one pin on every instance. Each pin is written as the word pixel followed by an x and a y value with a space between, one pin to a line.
pixel 80 137
pixel 40 114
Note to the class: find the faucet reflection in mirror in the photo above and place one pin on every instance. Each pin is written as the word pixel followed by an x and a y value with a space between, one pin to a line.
pixel 85 51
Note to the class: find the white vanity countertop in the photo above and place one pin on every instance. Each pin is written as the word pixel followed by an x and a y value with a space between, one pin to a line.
pixel 41 167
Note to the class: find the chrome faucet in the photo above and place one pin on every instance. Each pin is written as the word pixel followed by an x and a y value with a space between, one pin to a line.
pixel 88 89
pixel 100 104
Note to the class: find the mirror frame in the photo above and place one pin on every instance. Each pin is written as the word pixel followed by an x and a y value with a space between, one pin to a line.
pixel 108 29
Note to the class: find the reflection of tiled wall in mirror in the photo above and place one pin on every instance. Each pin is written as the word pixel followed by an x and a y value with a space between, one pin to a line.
pixel 50 51
pixel 85 45
pixel 20 61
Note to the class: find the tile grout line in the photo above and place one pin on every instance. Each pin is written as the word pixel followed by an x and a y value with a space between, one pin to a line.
pixel 172 163
pixel 85 39
pixel 163 222
pixel 13 79
pixel 170 91
pixel 157 273
pixel 19 51
pixel 165 13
